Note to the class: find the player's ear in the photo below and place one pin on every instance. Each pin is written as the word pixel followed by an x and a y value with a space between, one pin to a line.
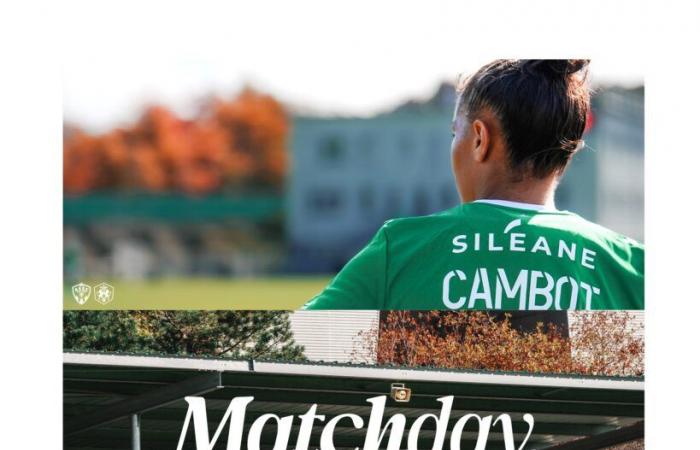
pixel 482 140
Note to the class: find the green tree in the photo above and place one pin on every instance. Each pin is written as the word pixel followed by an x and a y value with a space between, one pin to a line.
pixel 235 334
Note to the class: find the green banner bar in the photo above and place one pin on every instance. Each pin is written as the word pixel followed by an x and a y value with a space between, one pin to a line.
pixel 169 208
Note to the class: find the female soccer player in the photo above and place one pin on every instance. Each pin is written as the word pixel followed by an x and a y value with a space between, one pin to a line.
pixel 516 126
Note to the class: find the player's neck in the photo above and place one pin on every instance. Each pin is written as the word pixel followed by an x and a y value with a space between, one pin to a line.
pixel 537 192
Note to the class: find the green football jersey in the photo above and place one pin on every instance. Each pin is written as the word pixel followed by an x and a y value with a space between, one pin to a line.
pixel 488 256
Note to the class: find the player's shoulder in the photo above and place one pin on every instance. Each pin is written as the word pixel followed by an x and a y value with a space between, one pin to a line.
pixel 616 245
pixel 447 216
pixel 607 235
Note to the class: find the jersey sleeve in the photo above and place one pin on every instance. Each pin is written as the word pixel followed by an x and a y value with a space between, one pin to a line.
pixel 637 262
pixel 361 283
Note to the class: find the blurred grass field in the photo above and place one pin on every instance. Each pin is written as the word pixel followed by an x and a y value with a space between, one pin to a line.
pixel 203 293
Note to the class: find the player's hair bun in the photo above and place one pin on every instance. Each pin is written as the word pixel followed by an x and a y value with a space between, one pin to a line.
pixel 557 67
pixel 541 104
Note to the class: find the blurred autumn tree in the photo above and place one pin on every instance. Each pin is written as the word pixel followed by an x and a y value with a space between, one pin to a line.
pixel 602 343
pixel 235 334
pixel 234 145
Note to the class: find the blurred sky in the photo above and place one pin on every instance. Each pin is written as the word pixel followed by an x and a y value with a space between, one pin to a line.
pixel 351 58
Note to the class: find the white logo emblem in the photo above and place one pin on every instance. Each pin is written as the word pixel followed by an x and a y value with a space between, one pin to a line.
pixel 81 293
pixel 104 293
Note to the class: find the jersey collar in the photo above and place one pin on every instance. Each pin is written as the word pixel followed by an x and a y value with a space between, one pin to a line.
pixel 510 204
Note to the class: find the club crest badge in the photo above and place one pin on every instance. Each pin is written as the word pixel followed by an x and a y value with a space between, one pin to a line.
pixel 81 293
pixel 104 293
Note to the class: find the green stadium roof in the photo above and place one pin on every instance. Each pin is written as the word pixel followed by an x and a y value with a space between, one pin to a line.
pixel 104 393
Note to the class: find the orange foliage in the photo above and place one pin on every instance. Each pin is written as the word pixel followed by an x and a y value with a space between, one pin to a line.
pixel 603 343
pixel 237 144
